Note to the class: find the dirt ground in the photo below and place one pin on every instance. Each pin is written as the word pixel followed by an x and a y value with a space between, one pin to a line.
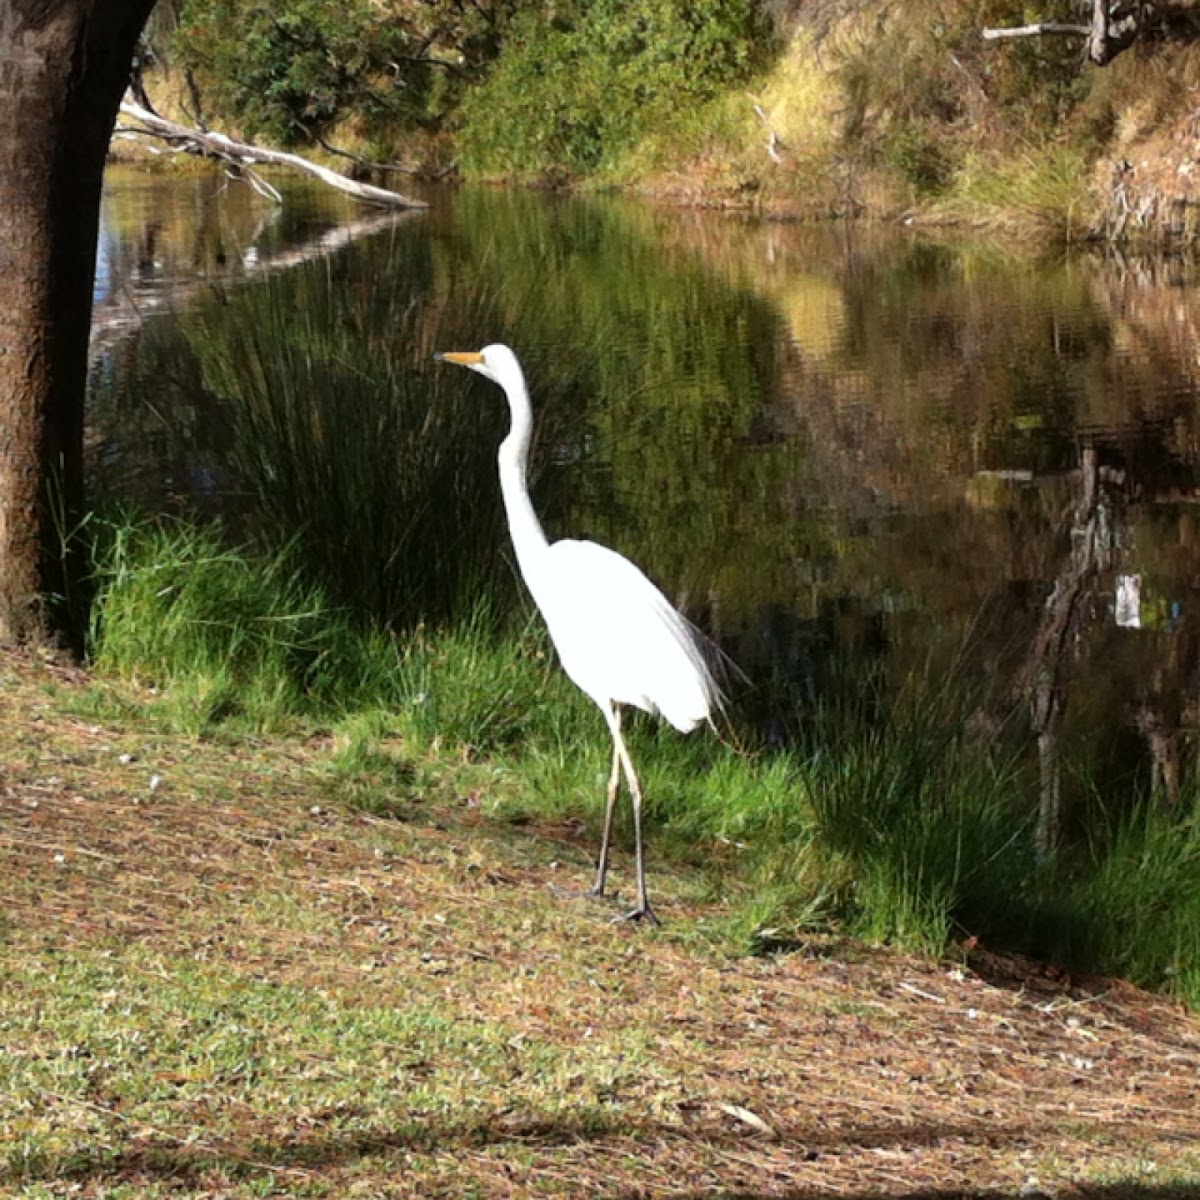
pixel 561 1054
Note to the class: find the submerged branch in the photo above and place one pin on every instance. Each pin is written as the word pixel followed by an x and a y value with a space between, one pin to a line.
pixel 242 154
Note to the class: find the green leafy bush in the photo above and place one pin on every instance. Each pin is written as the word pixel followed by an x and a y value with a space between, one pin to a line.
pixel 577 92
pixel 289 72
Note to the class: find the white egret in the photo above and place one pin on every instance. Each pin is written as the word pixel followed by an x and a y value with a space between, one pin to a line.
pixel 618 637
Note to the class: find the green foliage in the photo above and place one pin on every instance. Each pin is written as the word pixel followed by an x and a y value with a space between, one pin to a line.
pixel 575 93
pixel 289 72
pixel 921 159
pixel 897 102
pixel 224 635
pixel 1130 906
pixel 481 692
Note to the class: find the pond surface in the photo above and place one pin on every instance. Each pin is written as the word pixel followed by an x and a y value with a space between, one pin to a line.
pixel 854 454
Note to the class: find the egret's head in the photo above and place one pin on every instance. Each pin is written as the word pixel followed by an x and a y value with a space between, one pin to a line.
pixel 497 362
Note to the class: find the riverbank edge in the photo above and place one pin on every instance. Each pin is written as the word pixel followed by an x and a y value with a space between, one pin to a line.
pixel 874 116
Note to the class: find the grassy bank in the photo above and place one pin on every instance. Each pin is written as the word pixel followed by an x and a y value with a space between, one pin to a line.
pixel 897 827
pixel 904 110
pixel 313 957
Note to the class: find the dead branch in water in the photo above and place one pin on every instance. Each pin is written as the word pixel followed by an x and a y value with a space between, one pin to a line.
pixel 243 155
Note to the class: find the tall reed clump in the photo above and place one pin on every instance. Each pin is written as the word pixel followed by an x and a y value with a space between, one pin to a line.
pixel 924 827
pixel 375 465
pixel 1127 903
pixel 354 449
pixel 934 832
pixel 925 836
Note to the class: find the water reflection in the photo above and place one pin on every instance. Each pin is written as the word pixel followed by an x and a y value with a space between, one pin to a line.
pixel 165 239
pixel 852 454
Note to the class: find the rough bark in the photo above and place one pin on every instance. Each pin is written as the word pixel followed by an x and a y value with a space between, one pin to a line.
pixel 1046 673
pixel 64 65
pixel 1114 28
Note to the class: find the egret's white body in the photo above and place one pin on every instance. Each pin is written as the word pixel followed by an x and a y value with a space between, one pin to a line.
pixel 619 639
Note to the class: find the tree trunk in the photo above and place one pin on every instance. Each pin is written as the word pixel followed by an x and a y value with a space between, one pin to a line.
pixel 64 65
pixel 1046 673
pixel 1114 28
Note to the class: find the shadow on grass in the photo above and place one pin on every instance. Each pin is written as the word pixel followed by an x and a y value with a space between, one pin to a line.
pixel 1107 1191
pixel 158 1159
pixel 1047 986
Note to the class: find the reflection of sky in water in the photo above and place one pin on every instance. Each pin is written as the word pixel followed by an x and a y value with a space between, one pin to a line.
pixel 103 277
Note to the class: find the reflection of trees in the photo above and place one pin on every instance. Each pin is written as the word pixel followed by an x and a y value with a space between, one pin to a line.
pixel 1100 629
pixel 1170 703
pixel 155 435
pixel 939 412
pixel 156 259
pixel 673 365
pixel 154 431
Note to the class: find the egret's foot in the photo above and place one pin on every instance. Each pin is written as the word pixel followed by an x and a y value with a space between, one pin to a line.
pixel 643 912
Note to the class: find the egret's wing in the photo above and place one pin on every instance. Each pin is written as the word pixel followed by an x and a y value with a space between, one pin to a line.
pixel 619 637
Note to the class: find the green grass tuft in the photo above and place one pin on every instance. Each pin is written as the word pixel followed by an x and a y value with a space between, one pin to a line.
pixel 1131 907
pixel 1041 191
pixel 223 635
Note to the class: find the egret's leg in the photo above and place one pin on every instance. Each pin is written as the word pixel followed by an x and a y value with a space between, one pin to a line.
pixel 614 783
pixel 643 911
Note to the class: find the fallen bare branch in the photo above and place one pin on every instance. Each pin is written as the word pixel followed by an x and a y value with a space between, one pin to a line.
pixel 1042 27
pixel 241 154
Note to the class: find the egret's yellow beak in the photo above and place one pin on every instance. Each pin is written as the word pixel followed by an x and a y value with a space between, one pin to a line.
pixel 465 358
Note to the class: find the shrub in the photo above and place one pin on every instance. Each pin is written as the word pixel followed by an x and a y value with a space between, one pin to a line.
pixel 577 93
pixel 289 72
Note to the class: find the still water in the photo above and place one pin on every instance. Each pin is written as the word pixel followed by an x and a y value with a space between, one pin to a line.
pixel 855 454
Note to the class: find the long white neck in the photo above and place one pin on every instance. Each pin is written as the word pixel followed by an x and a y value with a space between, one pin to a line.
pixel 528 538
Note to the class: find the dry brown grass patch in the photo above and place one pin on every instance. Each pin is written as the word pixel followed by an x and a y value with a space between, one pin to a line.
pixel 594 1059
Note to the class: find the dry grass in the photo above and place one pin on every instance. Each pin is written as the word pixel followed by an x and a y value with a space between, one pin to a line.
pixel 224 983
